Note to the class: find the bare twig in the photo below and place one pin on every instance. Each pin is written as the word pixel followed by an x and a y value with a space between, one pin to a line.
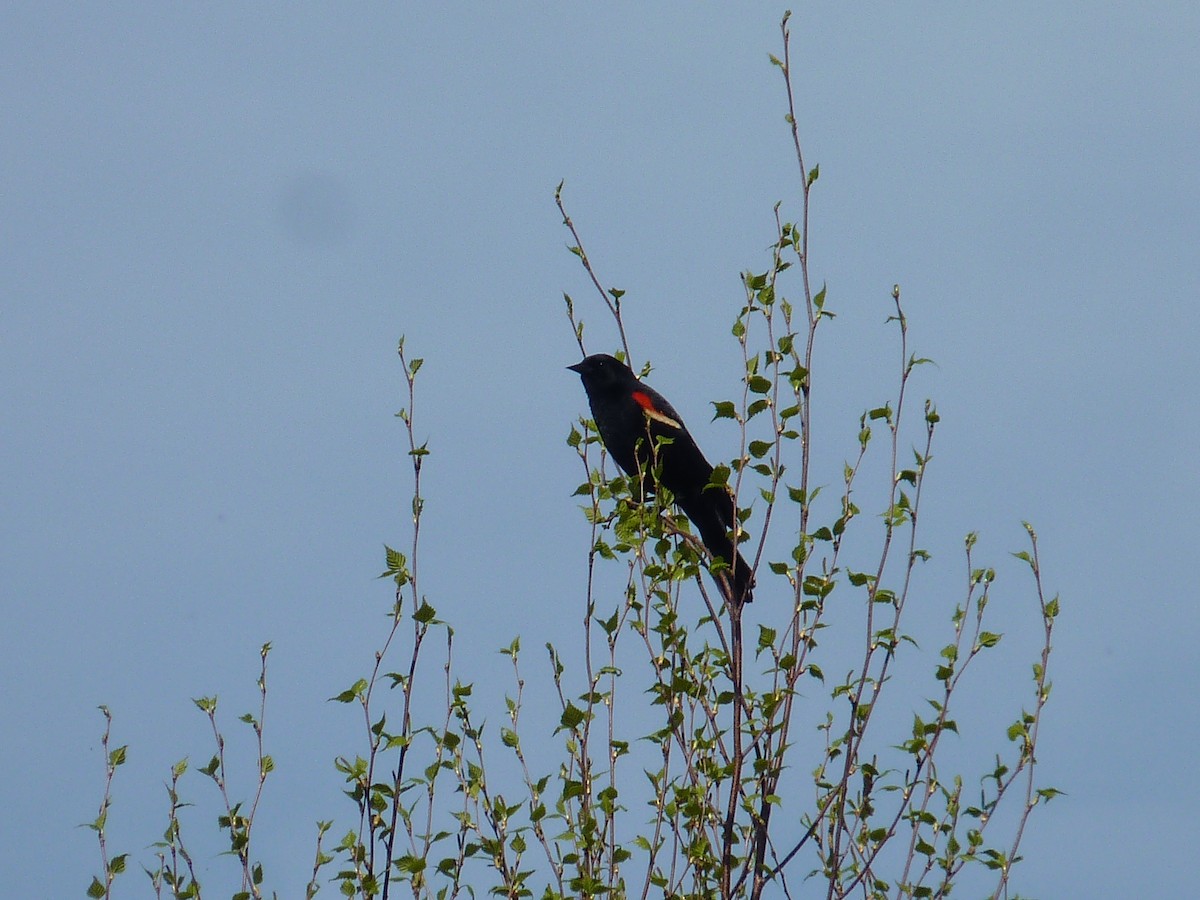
pixel 611 297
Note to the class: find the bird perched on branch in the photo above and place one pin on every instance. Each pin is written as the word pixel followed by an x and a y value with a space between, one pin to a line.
pixel 632 418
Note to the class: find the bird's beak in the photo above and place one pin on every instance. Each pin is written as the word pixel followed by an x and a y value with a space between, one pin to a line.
pixel 577 368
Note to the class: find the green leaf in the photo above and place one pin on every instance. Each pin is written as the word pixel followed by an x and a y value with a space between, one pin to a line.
pixel 572 789
pixel 611 624
pixel 96 889
pixel 397 565
pixel 572 716
pixel 766 637
pixel 759 384
pixel 425 614
pixel 352 692
pixel 509 738
pixel 759 449
pixel 724 410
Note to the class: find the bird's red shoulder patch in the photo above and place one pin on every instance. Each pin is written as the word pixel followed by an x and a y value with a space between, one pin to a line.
pixel 646 402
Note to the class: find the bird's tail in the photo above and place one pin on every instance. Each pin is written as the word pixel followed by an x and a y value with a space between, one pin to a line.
pixel 712 512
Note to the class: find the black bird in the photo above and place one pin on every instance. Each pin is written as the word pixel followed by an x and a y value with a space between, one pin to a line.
pixel 631 417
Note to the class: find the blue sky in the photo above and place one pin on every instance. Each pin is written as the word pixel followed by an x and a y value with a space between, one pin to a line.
pixel 218 221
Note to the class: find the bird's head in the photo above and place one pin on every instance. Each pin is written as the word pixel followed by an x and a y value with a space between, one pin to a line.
pixel 601 371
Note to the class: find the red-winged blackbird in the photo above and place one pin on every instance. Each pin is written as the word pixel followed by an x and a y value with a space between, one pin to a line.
pixel 631 417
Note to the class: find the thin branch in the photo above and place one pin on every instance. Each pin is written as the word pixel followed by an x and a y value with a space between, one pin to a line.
pixel 611 297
